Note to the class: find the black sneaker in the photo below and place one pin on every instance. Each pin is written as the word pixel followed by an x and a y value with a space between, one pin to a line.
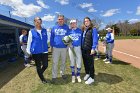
pixel 53 80
pixel 44 81
pixel 64 76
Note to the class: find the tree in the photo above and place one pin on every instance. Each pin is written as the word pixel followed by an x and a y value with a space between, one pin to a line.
pixel 124 27
pixel 133 32
pixel 116 29
pixel 102 33
pixel 96 22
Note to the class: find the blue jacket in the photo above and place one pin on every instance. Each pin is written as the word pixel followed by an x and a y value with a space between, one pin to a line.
pixel 39 45
pixel 109 37
pixel 57 34
pixel 76 36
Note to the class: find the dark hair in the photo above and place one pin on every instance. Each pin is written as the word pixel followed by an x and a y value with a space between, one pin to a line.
pixel 60 15
pixel 84 27
pixel 38 18
pixel 23 31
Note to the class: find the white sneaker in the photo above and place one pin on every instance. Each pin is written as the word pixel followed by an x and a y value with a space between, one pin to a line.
pixel 73 79
pixel 27 65
pixel 32 61
pixel 89 81
pixel 61 73
pixel 79 79
pixel 86 77
pixel 105 60
pixel 96 59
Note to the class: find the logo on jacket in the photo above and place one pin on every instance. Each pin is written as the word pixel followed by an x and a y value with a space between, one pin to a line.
pixel 75 36
pixel 60 31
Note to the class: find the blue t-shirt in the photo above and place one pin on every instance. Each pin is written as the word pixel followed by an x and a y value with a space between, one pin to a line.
pixel 57 34
pixel 75 34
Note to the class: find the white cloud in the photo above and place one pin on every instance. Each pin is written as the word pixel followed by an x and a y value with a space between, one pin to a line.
pixel 62 2
pixel 138 10
pixel 89 6
pixel 48 17
pixel 91 9
pixel 42 4
pixel 131 21
pixel 110 12
pixel 129 12
pixel 85 5
pixel 57 12
pixel 20 9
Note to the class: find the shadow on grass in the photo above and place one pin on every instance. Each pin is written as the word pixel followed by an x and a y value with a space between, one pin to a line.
pixel 115 61
pixel 108 78
pixel 9 71
pixel 100 77
pixel 61 81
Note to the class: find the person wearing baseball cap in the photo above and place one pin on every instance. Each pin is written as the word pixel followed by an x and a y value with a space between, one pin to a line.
pixel 75 58
pixel 109 45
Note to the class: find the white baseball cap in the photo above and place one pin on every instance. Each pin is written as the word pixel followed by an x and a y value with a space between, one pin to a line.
pixel 109 28
pixel 73 21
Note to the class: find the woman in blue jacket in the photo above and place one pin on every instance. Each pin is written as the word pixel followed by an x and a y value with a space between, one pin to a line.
pixel 37 46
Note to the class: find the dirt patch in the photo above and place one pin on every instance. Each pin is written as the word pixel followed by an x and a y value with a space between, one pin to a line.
pixel 127 51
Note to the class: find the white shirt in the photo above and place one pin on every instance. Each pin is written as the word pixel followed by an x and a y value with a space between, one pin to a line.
pixel 23 45
pixel 20 38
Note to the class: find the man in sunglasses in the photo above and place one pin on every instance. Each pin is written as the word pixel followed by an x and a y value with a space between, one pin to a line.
pixel 37 46
pixel 58 47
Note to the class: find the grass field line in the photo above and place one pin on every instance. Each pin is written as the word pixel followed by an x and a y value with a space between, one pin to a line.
pixel 125 54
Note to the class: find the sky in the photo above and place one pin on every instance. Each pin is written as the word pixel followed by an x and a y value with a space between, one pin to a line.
pixel 109 11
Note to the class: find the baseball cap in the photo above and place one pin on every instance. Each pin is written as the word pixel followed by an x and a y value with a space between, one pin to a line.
pixel 108 28
pixel 73 21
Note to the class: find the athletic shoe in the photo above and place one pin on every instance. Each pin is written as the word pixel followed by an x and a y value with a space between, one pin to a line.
pixel 73 79
pixel 62 75
pixel 27 65
pixel 86 77
pixel 105 60
pixel 89 81
pixel 54 80
pixel 78 78
pixel 96 59
pixel 44 81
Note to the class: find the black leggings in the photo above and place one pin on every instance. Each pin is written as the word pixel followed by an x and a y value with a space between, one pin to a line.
pixel 88 61
pixel 41 61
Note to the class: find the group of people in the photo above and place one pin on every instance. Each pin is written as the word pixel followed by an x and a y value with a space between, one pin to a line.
pixel 84 44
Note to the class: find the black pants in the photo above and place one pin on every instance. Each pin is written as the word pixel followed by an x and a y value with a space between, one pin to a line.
pixel 41 61
pixel 88 62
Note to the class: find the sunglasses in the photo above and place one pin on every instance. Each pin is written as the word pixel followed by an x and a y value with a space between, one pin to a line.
pixel 60 19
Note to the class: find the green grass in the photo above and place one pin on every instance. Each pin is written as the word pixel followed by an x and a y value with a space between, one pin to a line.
pixel 127 37
pixel 118 77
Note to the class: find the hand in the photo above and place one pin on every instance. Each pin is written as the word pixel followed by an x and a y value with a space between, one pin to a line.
pixel 51 49
pixel 29 53
pixel 92 52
